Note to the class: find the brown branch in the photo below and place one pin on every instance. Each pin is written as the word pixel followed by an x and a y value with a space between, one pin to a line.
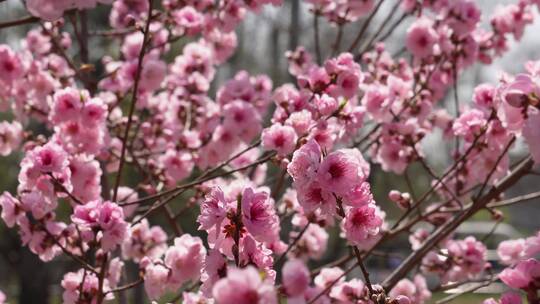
pixel 331 285
pixel 291 245
pixel 146 40
pixel 316 37
pixel 59 184
pixel 443 231
pixel 499 159
pixel 515 200
pixel 389 17
pixel 22 21
pixel 468 290
pixel 126 287
pixel 60 50
pixel 198 182
pixel 363 269
pixel 337 43
pixel 362 31
pixel 101 278
pixel 359 259
pixel 84 36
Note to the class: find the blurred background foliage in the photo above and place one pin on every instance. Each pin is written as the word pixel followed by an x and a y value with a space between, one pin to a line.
pixel 262 42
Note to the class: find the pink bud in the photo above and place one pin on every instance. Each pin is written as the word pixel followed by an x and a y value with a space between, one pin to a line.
pixel 402 300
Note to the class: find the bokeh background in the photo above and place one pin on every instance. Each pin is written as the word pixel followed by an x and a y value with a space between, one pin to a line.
pixel 263 40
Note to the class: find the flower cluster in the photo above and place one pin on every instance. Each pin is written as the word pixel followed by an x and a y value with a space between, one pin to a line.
pixel 522 271
pixel 336 184
pixel 182 263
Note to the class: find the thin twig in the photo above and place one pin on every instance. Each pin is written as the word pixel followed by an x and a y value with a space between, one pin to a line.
pixel 291 245
pixel 146 40
pixel 468 290
pixel 126 287
pixel 317 40
pixel 198 182
pixel 443 231
pixel 362 31
pixel 381 27
pixel 22 21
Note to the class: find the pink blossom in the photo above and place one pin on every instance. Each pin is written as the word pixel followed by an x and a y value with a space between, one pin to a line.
pixel 339 172
pixel 511 298
pixel 484 96
pixel 259 215
pixel 316 80
pixel 416 291
pixel 361 223
pixel 111 220
pixel 144 241
pixel 188 20
pixel 11 209
pixel 531 133
pixel 279 138
pixel 152 74
pixel 295 277
pixel 176 165
pixel 39 205
pixel 349 292
pixel 93 113
pixel 213 210
pixel 242 119
pixel 312 196
pixel 511 117
pixel 49 158
pixel 194 298
pixel 469 256
pixel 185 259
pixel 421 38
pixel 359 195
pixel 87 283
pixel 131 47
pixel 465 14
pixel 313 242
pixel 305 162
pixel 11 66
pixel 244 286
pixel 328 276
pixel 392 156
pixel 469 124
pixel 67 104
pixel 403 200
pixel 257 254
pixel 215 268
pixel 520 91
pixel 85 178
pixel 155 280
pixel 377 102
pixel 299 60
pixel 532 245
pixel 325 104
pixel 402 300
pixel 347 84
pixel 522 274
pixel 224 44
pixel 511 251
pixel 11 135
pixel 107 217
